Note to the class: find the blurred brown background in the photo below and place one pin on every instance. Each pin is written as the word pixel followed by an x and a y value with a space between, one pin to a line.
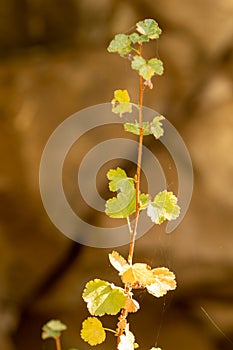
pixel 53 62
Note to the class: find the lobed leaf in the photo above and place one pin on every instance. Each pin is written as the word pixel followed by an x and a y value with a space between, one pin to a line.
pixel 117 261
pixel 147 69
pixel 134 128
pixel 124 204
pixel 121 102
pixel 137 275
pixel 118 180
pixel 120 44
pixel 164 207
pixel 149 27
pixel 53 329
pixel 149 128
pixel 156 127
pixel 165 281
pixel 92 331
pixel 136 38
pixel 103 298
pixel 156 65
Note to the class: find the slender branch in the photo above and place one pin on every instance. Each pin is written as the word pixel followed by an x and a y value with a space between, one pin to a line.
pixel 133 233
pixel 138 172
pixel 58 343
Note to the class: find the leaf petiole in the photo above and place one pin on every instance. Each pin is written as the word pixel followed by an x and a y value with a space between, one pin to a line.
pixel 110 330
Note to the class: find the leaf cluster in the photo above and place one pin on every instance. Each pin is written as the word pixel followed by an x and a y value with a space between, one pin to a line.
pixel 104 298
pixel 163 207
pixel 126 45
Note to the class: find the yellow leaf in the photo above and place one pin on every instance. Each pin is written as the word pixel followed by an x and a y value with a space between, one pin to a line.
pixel 92 331
pixel 138 275
pixel 164 281
pixel 117 261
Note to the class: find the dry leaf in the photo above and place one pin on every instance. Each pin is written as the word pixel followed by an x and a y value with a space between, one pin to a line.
pixel 117 261
pixel 164 281
pixel 131 305
pixel 138 275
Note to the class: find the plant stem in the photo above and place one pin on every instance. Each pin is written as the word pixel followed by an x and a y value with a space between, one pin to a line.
pixel 110 330
pixel 133 233
pixel 138 172
pixel 58 343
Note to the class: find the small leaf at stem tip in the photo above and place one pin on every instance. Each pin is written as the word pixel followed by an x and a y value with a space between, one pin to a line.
pixel 53 329
pixel 149 27
pixel 163 207
pixel 117 261
pixel 165 281
pixel 120 44
pixel 121 102
pixel 103 298
pixel 92 331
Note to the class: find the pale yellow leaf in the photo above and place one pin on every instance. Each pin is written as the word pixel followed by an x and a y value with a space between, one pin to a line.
pixel 138 275
pixel 164 281
pixel 117 261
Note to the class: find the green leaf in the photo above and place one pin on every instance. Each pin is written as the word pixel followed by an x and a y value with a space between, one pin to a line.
pixel 147 69
pixel 103 298
pixel 149 27
pixel 138 62
pixel 124 204
pixel 144 200
pixel 152 128
pixel 156 127
pixel 53 329
pixel 121 102
pixel 134 128
pixel 156 65
pixel 164 206
pixel 118 179
pixel 120 44
pixel 92 331
pixel 136 38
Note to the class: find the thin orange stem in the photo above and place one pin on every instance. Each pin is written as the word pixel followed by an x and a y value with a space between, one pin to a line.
pixel 138 171
pixel 58 343
pixel 133 233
